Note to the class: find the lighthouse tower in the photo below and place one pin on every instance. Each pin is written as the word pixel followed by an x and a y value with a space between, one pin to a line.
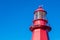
pixel 40 28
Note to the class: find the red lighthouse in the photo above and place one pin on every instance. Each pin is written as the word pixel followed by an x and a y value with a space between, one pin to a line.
pixel 40 28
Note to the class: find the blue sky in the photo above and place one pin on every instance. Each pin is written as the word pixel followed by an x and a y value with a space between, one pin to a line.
pixel 16 16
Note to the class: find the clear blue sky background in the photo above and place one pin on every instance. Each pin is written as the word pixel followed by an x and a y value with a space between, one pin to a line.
pixel 16 16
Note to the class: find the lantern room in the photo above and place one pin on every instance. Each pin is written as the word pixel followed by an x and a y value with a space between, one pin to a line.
pixel 40 13
pixel 40 16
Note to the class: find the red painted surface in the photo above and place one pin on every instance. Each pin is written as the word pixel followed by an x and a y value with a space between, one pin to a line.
pixel 39 34
pixel 36 34
pixel 40 22
pixel 43 34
